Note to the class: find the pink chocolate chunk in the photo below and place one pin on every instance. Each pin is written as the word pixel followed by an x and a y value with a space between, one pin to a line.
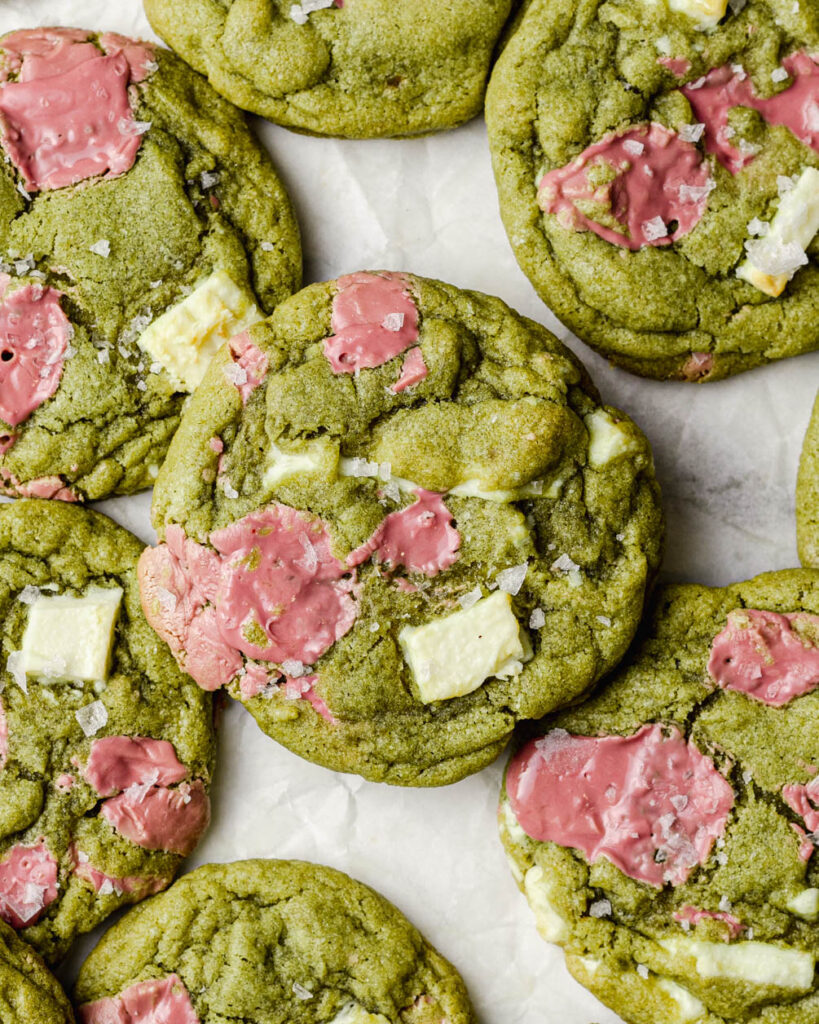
pixel 693 915
pixel 250 363
pixel 651 803
pixel 413 370
pixel 117 762
pixel 303 689
pixel 110 884
pixel 678 66
pixel 160 1001
pixel 161 819
pixel 279 573
pixel 41 487
pixel 34 334
pixel 374 319
pixel 69 116
pixel 28 884
pixel 796 107
pixel 804 800
pixel 658 179
pixel 760 654
pixel 421 537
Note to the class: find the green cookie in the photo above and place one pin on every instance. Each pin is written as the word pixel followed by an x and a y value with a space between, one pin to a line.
pixel 106 749
pixel 264 941
pixel 360 68
pixel 647 248
pixel 682 881
pixel 807 494
pixel 389 574
pixel 128 278
pixel 28 992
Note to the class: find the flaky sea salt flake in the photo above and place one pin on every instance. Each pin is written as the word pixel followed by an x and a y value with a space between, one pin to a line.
pixel 393 322
pixel 511 580
pixel 101 248
pixel 15 669
pixel 691 132
pixel 600 908
pixel 300 992
pixel 92 717
pixel 235 374
pixel 537 620
pixel 779 75
pixel 654 229
pixel 470 598
pixel 758 227
pixel 633 146
pixel 564 564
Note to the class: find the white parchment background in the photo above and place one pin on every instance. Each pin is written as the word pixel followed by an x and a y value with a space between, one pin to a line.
pixel 726 456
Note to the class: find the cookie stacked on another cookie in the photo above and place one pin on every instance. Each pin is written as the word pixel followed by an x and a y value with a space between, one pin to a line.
pixel 106 748
pixel 360 68
pixel 396 520
pixel 664 831
pixel 658 172
pixel 141 225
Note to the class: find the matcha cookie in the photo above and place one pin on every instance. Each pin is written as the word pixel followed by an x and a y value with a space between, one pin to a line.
pixel 140 226
pixel 28 993
pixel 396 520
pixel 807 494
pixel 658 171
pixel 106 747
pixel 664 832
pixel 264 941
pixel 357 68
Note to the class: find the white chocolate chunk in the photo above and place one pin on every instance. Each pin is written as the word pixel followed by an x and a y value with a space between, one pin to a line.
pixel 773 260
pixel 354 1013
pixel 318 456
pixel 805 904
pixel 607 438
pixel 70 638
pixel 539 889
pixel 453 656
pixel 186 337
pixel 759 962
pixel 706 13
pixel 689 1007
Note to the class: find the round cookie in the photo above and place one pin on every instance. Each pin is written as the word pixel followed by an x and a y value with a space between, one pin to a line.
pixel 106 748
pixel 807 494
pixel 28 992
pixel 396 519
pixel 663 832
pixel 355 68
pixel 657 173
pixel 140 225
pixel 265 941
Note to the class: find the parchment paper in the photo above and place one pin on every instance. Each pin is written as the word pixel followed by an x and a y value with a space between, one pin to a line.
pixel 726 456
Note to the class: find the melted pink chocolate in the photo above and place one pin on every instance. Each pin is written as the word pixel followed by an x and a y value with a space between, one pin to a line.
pixel 69 117
pixel 630 799
pixel 413 370
pixel 131 885
pixel 34 334
pixel 693 915
pixel 678 66
pixel 421 537
pixel 796 107
pixel 43 487
pixel 117 762
pixel 303 689
pixel 698 365
pixel 803 801
pixel 252 360
pixel 668 179
pixel 161 1001
pixel 140 56
pixel 28 884
pixel 758 653
pixel 65 782
pixel 278 571
pixel 805 844
pixel 361 307
pixel 161 819
pixel 255 680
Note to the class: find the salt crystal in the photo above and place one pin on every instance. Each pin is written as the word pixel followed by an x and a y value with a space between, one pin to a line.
pixel 700 82
pixel 600 908
pixel 141 385
pixel 470 599
pixel 696 193
pixel 784 183
pixel 679 803
pixel 779 75
pixel 604 620
pixel 92 717
pixel 537 620
pixel 101 248
pixel 758 227
pixel 511 580
pixel 739 71
pixel 15 669
pixel 564 564
pixel 384 471
pixel 663 44
pixel 746 777
pixel 722 859
pixel 393 322
pixel 294 668
pixel 103 355
pixel 308 6
pixel 725 905
pixel 155 367
pixel 230 491
pixel 208 179
pixel 151 66
pixel 235 374
pixel 654 228
pixel 299 991
pixel 748 148
pixel 774 257
pixel 374 627
pixel 29 594
pixel 267 247
pixel 298 15
pixel 633 146
pixel 642 970
pixel 691 132
pixel 107 888
pixel 392 490
pixel 128 126
pixel 24 265
pixel 737 5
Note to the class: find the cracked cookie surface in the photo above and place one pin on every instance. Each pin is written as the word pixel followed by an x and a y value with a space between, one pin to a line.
pixel 28 992
pixel 397 519
pixel 103 779
pixel 264 941
pixel 97 244
pixel 660 295
pixel 360 68
pixel 688 890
